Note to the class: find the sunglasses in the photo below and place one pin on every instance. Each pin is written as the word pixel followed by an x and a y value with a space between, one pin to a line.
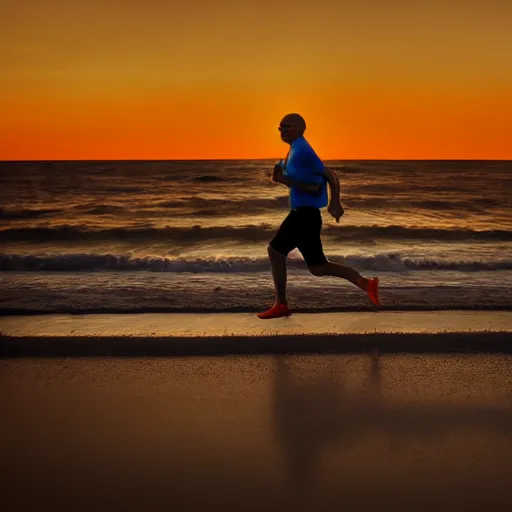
pixel 282 127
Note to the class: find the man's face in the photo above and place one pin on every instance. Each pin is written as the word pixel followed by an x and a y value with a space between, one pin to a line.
pixel 289 129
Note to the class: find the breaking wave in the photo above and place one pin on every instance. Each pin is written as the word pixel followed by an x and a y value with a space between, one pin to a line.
pixel 126 262
pixel 245 233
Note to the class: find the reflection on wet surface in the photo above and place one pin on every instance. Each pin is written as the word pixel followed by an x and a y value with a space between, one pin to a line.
pixel 258 433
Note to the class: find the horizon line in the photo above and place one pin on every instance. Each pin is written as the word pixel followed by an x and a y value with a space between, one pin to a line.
pixel 267 158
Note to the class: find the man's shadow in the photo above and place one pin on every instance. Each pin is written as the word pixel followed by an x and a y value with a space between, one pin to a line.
pixel 314 413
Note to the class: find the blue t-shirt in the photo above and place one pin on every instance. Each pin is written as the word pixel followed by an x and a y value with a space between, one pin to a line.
pixel 303 165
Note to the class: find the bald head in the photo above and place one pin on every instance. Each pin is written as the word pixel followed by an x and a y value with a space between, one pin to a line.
pixel 296 120
pixel 292 127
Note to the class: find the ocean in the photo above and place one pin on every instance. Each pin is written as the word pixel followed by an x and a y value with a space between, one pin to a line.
pixel 155 236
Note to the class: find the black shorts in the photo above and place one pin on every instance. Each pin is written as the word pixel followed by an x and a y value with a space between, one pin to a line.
pixel 301 230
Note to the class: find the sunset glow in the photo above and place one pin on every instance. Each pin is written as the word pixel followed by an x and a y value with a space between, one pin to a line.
pixel 112 79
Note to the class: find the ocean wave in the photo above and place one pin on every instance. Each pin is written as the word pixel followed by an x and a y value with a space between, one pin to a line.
pixel 172 203
pixel 120 188
pixel 198 206
pixel 193 233
pixel 207 179
pixel 395 262
pixel 264 231
pixel 27 213
pixel 225 206
pixel 416 206
pixel 203 205
pixel 341 169
pixel 105 209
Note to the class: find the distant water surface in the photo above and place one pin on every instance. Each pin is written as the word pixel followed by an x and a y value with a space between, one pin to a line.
pixel 185 235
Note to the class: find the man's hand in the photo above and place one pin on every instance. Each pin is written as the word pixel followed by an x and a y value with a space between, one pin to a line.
pixel 336 210
pixel 277 174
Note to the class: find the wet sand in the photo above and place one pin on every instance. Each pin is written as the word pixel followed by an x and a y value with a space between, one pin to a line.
pixel 244 333
pixel 274 433
pixel 248 324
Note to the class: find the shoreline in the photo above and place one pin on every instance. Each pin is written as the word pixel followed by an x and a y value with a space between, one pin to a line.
pixel 13 312
pixel 166 334
pixel 146 346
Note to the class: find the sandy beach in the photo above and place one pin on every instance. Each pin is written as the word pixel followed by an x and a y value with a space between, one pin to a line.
pixel 225 333
pixel 308 433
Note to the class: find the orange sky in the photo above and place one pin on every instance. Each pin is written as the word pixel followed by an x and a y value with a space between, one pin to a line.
pixel 125 79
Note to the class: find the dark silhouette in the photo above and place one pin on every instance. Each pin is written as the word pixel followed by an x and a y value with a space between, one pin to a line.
pixel 304 173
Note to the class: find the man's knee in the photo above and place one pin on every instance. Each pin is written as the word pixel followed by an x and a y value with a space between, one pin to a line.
pixel 318 270
pixel 273 253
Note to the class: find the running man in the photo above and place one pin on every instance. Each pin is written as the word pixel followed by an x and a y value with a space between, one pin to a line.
pixel 304 173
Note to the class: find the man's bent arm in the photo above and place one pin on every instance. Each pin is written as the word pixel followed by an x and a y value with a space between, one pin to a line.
pixel 334 185
pixel 305 187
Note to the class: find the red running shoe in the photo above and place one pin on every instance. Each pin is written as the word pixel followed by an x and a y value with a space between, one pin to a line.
pixel 276 311
pixel 373 290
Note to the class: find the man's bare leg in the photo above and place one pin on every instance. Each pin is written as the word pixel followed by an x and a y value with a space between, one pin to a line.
pixel 280 307
pixel 370 286
pixel 278 263
pixel 338 270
